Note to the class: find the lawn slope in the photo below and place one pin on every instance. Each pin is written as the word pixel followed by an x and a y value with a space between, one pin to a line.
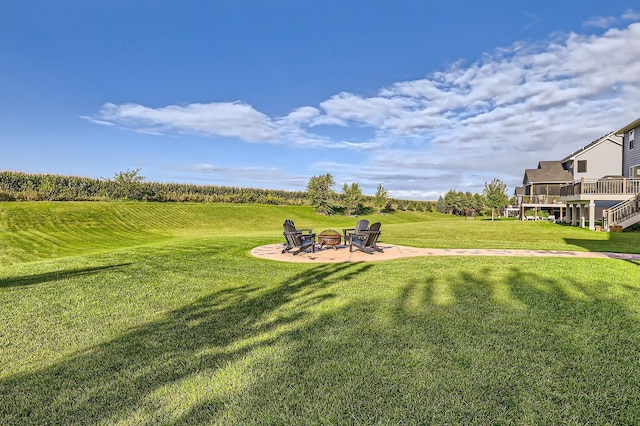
pixel 157 314
pixel 34 230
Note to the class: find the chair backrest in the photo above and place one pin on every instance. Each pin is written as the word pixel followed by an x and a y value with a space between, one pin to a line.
pixel 293 237
pixel 362 226
pixel 374 233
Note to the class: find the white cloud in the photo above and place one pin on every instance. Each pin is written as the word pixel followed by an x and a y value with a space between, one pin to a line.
pixel 377 112
pixel 223 119
pixel 301 115
pixel 609 21
pixel 601 22
pixel 631 15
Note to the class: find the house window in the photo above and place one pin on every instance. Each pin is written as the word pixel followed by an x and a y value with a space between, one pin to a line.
pixel 582 166
pixel 631 138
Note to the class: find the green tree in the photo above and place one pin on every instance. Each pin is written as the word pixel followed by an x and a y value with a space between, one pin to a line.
pixel 381 199
pixel 441 205
pixel 352 198
pixel 495 195
pixel 459 203
pixel 320 193
pixel 453 202
pixel 480 202
pixel 129 184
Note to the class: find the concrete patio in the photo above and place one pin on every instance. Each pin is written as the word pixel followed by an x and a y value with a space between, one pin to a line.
pixel 391 251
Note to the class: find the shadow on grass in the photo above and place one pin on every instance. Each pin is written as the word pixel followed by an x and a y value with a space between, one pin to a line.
pixel 109 382
pixel 57 275
pixel 476 347
pixel 616 242
pixel 525 349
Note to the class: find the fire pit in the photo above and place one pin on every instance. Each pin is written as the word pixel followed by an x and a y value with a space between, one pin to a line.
pixel 329 237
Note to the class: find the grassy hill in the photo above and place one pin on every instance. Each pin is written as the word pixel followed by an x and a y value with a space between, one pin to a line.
pixel 34 230
pixel 143 313
pixel 38 230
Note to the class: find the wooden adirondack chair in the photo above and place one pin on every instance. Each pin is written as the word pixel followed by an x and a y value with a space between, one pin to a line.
pixel 362 226
pixel 296 239
pixel 367 241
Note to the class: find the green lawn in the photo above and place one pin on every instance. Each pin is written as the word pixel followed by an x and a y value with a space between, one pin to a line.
pixel 134 313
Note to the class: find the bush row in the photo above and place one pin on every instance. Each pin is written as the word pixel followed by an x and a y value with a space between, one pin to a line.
pixel 20 186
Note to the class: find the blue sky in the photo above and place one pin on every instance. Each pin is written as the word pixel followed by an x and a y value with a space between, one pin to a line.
pixel 419 96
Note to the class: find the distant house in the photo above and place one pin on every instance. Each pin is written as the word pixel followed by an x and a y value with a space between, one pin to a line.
pixel 518 195
pixel 543 184
pixel 601 157
pixel 541 189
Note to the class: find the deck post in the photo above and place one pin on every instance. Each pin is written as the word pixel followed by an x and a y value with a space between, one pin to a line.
pixel 592 215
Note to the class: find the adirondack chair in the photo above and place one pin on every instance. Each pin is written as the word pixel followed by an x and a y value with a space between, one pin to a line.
pixel 362 226
pixel 367 241
pixel 296 239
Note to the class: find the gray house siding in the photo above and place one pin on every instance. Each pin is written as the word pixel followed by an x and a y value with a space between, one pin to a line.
pixel 631 156
pixel 601 160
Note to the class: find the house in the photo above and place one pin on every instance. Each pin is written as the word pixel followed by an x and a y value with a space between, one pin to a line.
pixel 599 159
pixel 541 188
pixel 543 184
pixel 518 195
pixel 614 196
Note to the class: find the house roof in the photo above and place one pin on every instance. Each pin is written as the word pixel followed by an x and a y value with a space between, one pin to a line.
pixel 609 137
pixel 628 127
pixel 519 191
pixel 547 172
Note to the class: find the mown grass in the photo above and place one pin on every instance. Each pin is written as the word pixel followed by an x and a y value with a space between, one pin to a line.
pixel 157 314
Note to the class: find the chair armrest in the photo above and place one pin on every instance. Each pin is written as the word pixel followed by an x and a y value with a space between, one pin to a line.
pixel 305 232
pixel 300 234
pixel 346 230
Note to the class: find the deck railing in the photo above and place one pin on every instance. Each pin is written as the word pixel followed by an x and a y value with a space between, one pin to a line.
pixel 612 186
pixel 620 212
pixel 541 199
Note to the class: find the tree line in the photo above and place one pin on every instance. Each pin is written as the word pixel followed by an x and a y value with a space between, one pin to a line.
pixel 351 201
pixel 131 185
pixel 494 197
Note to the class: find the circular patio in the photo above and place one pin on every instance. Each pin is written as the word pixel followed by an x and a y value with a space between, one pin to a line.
pixel 391 251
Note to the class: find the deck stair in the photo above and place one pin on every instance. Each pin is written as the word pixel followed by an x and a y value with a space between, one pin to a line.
pixel 623 214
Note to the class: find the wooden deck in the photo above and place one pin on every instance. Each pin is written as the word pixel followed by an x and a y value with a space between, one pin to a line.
pixel 605 189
